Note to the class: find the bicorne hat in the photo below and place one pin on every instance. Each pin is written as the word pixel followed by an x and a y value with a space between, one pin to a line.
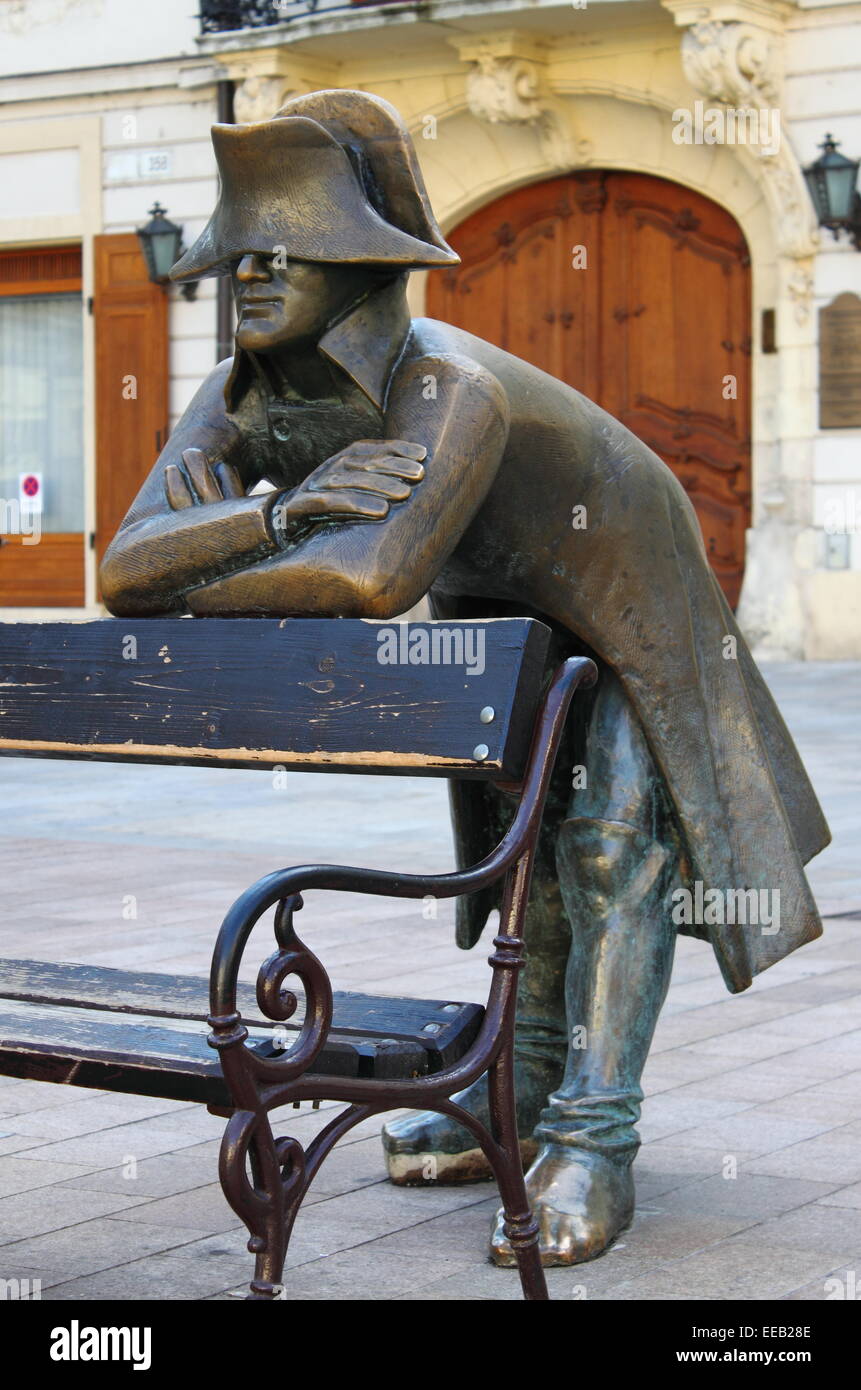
pixel 332 177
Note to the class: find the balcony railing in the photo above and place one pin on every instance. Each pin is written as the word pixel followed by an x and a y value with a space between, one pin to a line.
pixel 222 16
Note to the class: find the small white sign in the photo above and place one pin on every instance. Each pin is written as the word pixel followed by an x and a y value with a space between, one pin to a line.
pixel 155 164
pixel 131 165
pixel 30 493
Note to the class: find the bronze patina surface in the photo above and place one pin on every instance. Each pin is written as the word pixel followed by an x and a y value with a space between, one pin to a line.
pixel 406 457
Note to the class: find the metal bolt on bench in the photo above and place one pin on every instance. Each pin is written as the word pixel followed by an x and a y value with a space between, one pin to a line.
pixel 242 693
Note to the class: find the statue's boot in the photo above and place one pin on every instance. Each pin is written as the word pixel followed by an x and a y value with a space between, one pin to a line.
pixel 614 882
pixel 425 1147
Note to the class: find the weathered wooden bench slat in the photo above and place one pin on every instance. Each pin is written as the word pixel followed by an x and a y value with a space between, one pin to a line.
pixel 436 1022
pixel 173 1062
pixel 302 694
pixel 114 1052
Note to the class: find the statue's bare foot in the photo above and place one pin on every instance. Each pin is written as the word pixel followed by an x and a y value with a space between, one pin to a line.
pixel 581 1201
pixel 424 1147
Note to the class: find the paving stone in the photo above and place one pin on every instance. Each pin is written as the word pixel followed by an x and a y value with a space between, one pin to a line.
pixel 369 1274
pixel 845 1087
pixel 94 1245
pixel 732 1269
pixel 14 1143
pixel 487 1283
pixel 160 1176
pixel 383 1209
pixel 697 1024
pixel 68 1121
pixel 31 1282
pixel 759 1082
pixel 350 1168
pixel 18 1096
pixel 843 1197
pixel 45 1208
pixel 204 1209
pixel 191 1120
pixel 198 1269
pixel 27 1174
pixel 671 1111
pixel 752 1196
pixel 817 1227
pixel 838 1285
pixel 814 1104
pixel 454 1234
pixel 753 1130
pixel 662 1231
pixel 674 1156
pixel 668 1070
pixel 112 1147
pixel 650 1187
pixel 834 1157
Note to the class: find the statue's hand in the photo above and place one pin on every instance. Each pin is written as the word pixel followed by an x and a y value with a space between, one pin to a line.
pixel 199 481
pixel 362 480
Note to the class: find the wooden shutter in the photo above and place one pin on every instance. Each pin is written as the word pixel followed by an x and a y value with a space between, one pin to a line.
pixel 131 378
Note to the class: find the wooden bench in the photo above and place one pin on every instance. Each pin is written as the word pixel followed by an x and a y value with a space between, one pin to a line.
pixel 470 700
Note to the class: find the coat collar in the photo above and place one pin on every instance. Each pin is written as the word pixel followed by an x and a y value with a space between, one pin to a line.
pixel 366 343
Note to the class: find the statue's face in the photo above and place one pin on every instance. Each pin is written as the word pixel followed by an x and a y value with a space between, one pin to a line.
pixel 290 305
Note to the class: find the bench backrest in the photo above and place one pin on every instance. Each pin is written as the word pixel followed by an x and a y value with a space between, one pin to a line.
pixel 421 699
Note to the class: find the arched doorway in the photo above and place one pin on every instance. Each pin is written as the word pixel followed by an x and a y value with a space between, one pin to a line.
pixel 636 291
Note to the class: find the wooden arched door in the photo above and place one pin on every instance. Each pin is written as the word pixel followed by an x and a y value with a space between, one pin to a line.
pixel 636 291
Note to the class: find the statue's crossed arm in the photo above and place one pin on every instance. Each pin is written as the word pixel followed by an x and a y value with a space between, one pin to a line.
pixel 364 535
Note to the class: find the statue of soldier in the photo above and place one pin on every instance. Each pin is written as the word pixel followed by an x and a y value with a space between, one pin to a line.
pixel 404 458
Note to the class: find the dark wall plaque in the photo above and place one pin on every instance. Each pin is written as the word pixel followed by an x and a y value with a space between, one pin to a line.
pixel 840 363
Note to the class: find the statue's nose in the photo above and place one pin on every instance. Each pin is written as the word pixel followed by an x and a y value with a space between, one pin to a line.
pixel 252 267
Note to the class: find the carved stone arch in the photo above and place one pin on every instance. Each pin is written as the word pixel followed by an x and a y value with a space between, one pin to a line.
pixel 469 163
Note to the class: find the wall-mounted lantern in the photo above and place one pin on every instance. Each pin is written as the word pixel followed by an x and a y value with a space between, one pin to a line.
pixel 161 244
pixel 831 182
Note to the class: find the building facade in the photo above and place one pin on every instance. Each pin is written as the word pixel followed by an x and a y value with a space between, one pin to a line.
pixel 622 178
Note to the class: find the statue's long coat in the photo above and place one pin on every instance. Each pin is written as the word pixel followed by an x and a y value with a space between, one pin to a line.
pixel 635 584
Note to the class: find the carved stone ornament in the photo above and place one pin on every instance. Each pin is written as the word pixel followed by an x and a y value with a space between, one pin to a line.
pixel 738 65
pixel 258 97
pixel 800 290
pixel 781 175
pixel 504 89
pixel 733 63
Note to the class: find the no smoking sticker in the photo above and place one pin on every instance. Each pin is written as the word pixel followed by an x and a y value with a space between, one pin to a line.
pixel 30 491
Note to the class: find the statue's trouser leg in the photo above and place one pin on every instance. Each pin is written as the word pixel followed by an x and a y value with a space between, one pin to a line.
pixel 616 858
pixel 426 1147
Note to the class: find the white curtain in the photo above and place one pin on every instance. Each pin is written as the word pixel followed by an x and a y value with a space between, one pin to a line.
pixel 41 408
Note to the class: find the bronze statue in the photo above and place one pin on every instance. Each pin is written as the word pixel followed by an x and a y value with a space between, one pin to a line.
pixel 408 457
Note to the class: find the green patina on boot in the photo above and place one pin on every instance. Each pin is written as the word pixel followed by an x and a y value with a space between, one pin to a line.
pixel 581 1188
pixel 424 1147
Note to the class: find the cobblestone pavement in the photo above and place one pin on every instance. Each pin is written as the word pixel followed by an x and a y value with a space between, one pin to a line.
pixel 769 1081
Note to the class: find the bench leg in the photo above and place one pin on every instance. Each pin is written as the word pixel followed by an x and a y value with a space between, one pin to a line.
pixel 521 1228
pixel 269 1200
